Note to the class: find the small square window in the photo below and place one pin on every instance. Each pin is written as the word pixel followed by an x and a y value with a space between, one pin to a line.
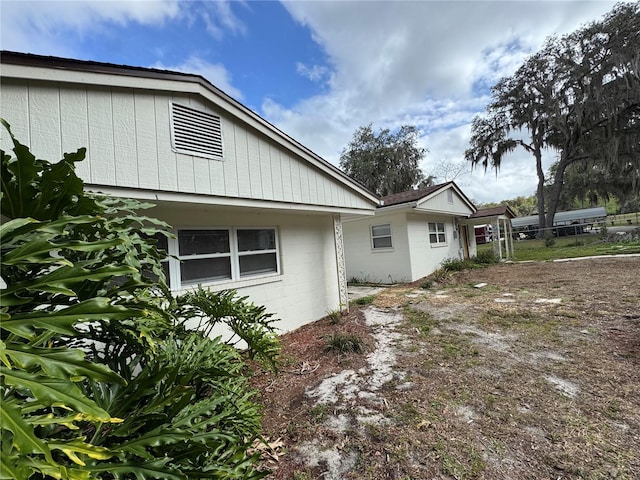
pixel 437 233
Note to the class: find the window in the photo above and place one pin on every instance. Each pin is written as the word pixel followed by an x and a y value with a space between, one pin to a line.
pixel 195 132
pixel 205 255
pixel 210 255
pixel 381 236
pixel 257 252
pixel 437 233
pixel 450 196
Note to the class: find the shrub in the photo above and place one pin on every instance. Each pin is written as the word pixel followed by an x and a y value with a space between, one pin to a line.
pixel 456 264
pixel 100 375
pixel 344 343
pixel 366 300
pixel 486 257
pixel 549 240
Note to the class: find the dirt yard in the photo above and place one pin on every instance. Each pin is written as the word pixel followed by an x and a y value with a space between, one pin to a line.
pixel 535 375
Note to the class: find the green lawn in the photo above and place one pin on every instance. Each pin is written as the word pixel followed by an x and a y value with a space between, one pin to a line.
pixel 567 247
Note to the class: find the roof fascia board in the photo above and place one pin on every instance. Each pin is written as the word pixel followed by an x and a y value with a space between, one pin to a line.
pixel 198 199
pixel 427 211
pixel 184 84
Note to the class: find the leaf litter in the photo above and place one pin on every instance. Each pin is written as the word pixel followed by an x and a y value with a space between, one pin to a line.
pixel 467 387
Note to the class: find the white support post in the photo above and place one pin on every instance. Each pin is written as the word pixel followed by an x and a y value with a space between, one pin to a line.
pixel 343 295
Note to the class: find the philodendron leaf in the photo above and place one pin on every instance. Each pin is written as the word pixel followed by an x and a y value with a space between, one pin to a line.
pixel 142 471
pixel 64 279
pixel 24 437
pixel 57 472
pixel 11 468
pixel 62 321
pixel 55 392
pixel 156 437
pixel 40 251
pixel 78 446
pixel 60 363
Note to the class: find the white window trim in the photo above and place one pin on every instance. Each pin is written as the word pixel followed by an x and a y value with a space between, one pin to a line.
pixel 437 232
pixel 236 281
pixel 372 236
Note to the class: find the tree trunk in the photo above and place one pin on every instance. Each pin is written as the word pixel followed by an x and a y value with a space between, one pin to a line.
pixel 558 181
pixel 540 192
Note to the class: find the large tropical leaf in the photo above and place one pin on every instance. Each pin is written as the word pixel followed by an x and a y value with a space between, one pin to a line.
pixel 55 392
pixel 24 437
pixel 62 321
pixel 77 446
pixel 157 469
pixel 59 363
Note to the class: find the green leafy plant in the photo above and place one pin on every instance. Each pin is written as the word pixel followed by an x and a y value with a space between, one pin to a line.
pixel 366 300
pixel 102 374
pixel 345 343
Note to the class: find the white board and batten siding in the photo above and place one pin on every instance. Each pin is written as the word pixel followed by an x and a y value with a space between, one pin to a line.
pixel 127 133
pixel 447 201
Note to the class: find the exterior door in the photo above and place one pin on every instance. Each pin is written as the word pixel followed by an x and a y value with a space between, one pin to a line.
pixel 465 240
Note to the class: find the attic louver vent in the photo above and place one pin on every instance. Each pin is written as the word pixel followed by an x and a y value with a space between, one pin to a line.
pixel 196 133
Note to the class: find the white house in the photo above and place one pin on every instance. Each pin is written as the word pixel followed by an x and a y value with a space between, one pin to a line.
pixel 253 209
pixel 410 235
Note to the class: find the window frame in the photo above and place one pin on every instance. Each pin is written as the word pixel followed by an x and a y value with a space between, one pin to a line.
pixel 376 237
pixel 234 254
pixel 437 232
pixel 248 253
pixel 203 256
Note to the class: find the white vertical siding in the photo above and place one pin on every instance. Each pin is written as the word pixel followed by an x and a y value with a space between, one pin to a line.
pixel 144 118
pixel 276 173
pixel 264 162
pixel 230 163
pixel 124 131
pixel 45 127
pixel 254 161
pixel 440 203
pixel 100 151
pixel 14 100
pixel 128 138
pixel 74 125
pixel 242 161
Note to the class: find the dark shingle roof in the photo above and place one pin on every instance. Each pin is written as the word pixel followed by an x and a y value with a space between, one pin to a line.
pixel 410 195
pixel 494 211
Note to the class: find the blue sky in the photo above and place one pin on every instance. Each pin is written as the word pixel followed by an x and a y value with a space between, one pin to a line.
pixel 320 69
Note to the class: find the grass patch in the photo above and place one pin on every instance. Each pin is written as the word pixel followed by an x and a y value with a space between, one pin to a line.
pixel 344 343
pixel 421 321
pixel 365 300
pixel 568 247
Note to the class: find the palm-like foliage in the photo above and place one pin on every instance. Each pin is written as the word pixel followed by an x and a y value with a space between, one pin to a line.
pixel 99 376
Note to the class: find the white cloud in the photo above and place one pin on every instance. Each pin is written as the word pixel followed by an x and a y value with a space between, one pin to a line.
pixel 219 18
pixel 216 73
pixel 428 64
pixel 43 26
pixel 314 73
